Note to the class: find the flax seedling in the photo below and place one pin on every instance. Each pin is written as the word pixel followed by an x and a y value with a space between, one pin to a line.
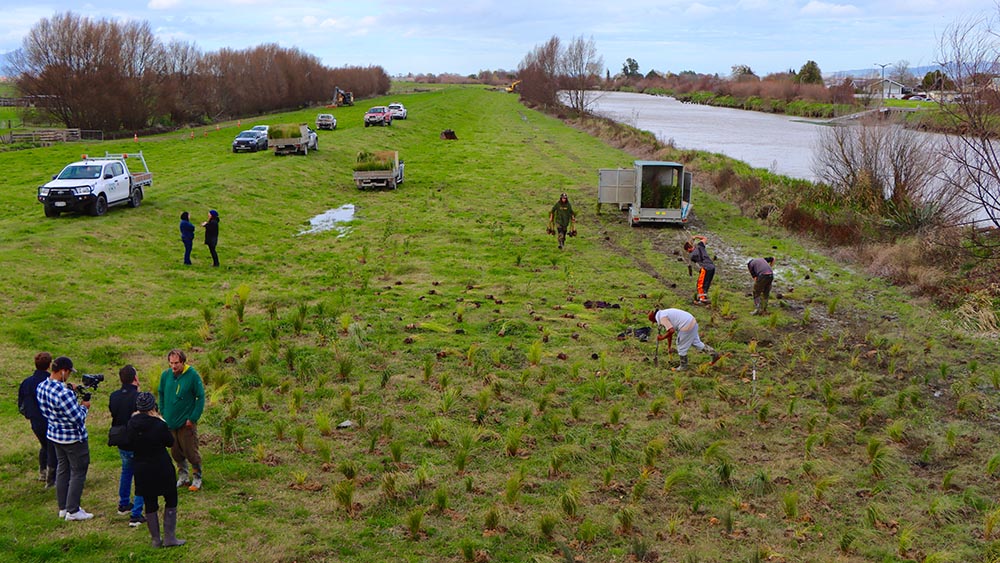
pixel 790 503
pixel 414 523
pixel 575 410
pixel 897 430
pixel 512 490
pixel 323 424
pixel 396 450
pixel 300 437
pixel 547 525
pixel 483 399
pixel 343 492
pixel 615 415
pixel 491 519
pixel 822 485
pixel 587 531
pixel 512 441
pixel 468 549
pixel 323 451
pixel 607 475
pixel 434 431
pixel 991 521
pixel 535 353
pixel 448 399
pixel 259 398
pixel 569 501
pixel 625 517
pixel 279 429
pixel 656 407
pixel 389 485
pixel 231 330
pixel 441 498
pixel 878 458
pixel 428 368
pixel 348 468
pixel 299 477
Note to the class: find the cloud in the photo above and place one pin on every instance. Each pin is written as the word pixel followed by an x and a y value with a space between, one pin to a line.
pixel 700 10
pixel 815 8
pixel 163 4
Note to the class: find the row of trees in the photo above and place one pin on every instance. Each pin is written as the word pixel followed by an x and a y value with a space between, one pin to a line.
pixel 109 75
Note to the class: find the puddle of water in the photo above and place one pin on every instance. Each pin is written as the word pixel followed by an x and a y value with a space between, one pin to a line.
pixel 332 220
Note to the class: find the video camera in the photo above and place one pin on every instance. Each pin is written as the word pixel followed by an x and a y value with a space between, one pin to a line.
pixel 90 383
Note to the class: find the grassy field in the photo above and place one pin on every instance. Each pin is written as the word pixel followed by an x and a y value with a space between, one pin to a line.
pixel 497 415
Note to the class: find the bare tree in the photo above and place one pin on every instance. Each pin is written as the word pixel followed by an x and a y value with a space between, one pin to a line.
pixel 970 54
pixel 581 70
pixel 888 171
pixel 538 73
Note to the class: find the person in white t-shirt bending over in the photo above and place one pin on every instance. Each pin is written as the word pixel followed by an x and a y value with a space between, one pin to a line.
pixel 685 326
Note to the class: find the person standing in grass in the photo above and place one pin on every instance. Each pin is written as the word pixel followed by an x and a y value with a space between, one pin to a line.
pixel 187 236
pixel 763 277
pixel 182 400
pixel 121 403
pixel 562 219
pixel 27 405
pixel 67 430
pixel 212 235
pixel 699 255
pixel 149 438
pixel 685 326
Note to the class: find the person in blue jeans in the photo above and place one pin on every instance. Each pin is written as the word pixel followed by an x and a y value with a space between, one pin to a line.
pixel 121 403
pixel 187 236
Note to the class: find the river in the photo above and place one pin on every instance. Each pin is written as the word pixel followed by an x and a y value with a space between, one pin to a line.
pixel 778 143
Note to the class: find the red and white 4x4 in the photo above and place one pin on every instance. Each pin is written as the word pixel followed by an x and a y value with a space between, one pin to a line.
pixel 378 115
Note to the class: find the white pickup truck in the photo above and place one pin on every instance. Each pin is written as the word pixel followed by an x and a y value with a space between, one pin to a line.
pixel 94 184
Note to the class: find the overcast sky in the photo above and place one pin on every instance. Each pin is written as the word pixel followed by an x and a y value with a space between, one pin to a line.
pixel 466 36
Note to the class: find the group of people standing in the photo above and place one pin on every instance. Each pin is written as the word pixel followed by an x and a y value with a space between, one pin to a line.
pixel 141 429
pixel 211 227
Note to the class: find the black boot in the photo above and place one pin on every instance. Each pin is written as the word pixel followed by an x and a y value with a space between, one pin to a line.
pixel 683 365
pixel 50 477
pixel 153 523
pixel 170 528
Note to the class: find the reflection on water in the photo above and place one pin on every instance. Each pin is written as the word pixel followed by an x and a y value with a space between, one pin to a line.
pixel 332 220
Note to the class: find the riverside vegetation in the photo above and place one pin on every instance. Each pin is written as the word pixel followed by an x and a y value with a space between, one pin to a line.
pixel 496 417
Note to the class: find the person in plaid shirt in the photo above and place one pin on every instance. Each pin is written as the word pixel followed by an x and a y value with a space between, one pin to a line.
pixel 67 431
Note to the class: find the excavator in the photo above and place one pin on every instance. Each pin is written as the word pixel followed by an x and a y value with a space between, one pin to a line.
pixel 342 98
pixel 515 86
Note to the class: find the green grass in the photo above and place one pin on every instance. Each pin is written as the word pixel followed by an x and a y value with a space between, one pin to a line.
pixel 447 305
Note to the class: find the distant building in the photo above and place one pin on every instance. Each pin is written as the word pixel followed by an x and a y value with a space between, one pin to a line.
pixel 887 88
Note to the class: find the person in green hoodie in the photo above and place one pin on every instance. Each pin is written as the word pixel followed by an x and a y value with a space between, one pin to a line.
pixel 182 400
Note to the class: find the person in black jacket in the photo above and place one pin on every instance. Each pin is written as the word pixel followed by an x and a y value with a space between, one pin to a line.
pixel 187 236
pixel 699 255
pixel 121 403
pixel 155 475
pixel 212 234
pixel 27 405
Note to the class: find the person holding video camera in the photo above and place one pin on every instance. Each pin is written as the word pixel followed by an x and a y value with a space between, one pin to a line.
pixel 182 400
pixel 67 430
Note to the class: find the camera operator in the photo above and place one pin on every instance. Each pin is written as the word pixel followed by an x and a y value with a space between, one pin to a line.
pixel 67 431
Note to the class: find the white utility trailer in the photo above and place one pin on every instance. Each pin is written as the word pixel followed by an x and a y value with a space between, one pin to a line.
pixel 651 191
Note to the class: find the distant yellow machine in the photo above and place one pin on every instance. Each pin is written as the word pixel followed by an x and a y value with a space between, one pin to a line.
pixel 515 86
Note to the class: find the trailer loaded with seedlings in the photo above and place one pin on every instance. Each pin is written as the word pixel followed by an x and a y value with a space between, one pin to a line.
pixel 651 191
pixel 379 169
pixel 292 139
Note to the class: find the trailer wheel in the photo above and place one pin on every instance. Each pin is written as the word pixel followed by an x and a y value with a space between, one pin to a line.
pixel 99 207
pixel 135 198
pixel 51 211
